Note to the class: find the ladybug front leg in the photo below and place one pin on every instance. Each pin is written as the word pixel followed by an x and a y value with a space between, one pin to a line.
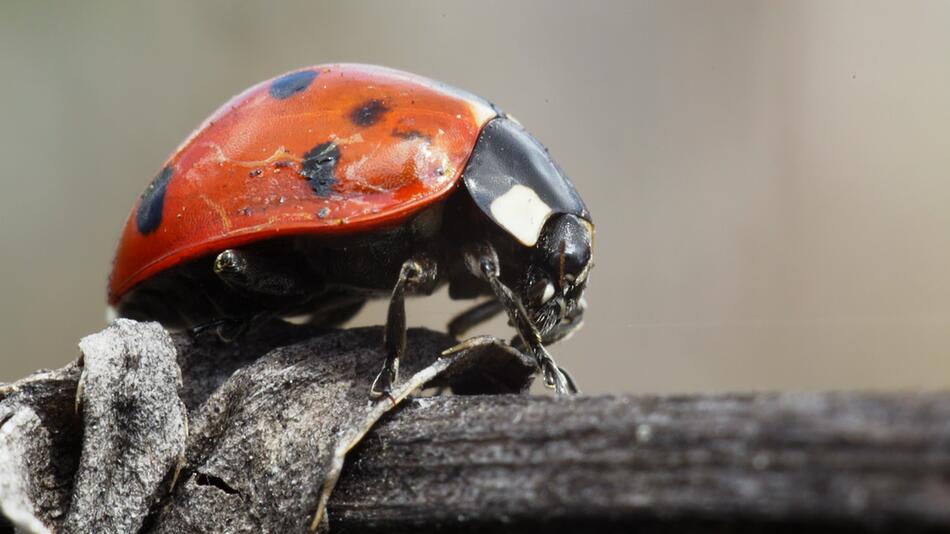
pixel 418 271
pixel 482 261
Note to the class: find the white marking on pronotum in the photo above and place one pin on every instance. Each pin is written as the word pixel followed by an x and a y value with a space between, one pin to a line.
pixel 522 212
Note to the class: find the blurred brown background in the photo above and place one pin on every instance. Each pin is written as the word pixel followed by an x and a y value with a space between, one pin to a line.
pixel 769 180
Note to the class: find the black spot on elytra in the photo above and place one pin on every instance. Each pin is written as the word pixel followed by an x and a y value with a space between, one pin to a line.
pixel 368 113
pixel 149 215
pixel 290 84
pixel 319 166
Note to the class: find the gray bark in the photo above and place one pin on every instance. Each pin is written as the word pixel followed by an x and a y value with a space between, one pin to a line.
pixel 813 462
pixel 134 427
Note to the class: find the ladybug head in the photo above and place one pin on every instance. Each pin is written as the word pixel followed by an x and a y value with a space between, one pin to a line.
pixel 554 283
pixel 515 183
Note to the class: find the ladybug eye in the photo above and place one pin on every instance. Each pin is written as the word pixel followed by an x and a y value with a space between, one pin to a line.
pixel 541 291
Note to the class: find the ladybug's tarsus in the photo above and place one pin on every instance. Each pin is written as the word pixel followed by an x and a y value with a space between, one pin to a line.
pixel 571 384
pixel 228 329
pixel 199 329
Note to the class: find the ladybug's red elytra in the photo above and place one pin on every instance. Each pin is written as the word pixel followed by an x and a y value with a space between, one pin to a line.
pixel 317 190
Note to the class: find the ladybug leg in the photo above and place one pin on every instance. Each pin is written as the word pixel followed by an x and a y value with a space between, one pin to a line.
pixel 415 271
pixel 474 316
pixel 482 261
pixel 197 330
pixel 260 278
pixel 262 281
pixel 228 329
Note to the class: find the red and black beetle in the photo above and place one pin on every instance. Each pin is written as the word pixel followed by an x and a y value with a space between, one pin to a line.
pixel 322 188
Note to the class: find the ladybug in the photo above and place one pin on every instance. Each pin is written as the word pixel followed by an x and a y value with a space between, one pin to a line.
pixel 312 192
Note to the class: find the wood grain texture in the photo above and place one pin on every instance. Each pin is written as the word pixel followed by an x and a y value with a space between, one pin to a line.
pixel 728 463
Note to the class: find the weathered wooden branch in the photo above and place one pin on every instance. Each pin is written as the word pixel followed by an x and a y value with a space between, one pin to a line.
pixel 736 463
pixel 173 435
